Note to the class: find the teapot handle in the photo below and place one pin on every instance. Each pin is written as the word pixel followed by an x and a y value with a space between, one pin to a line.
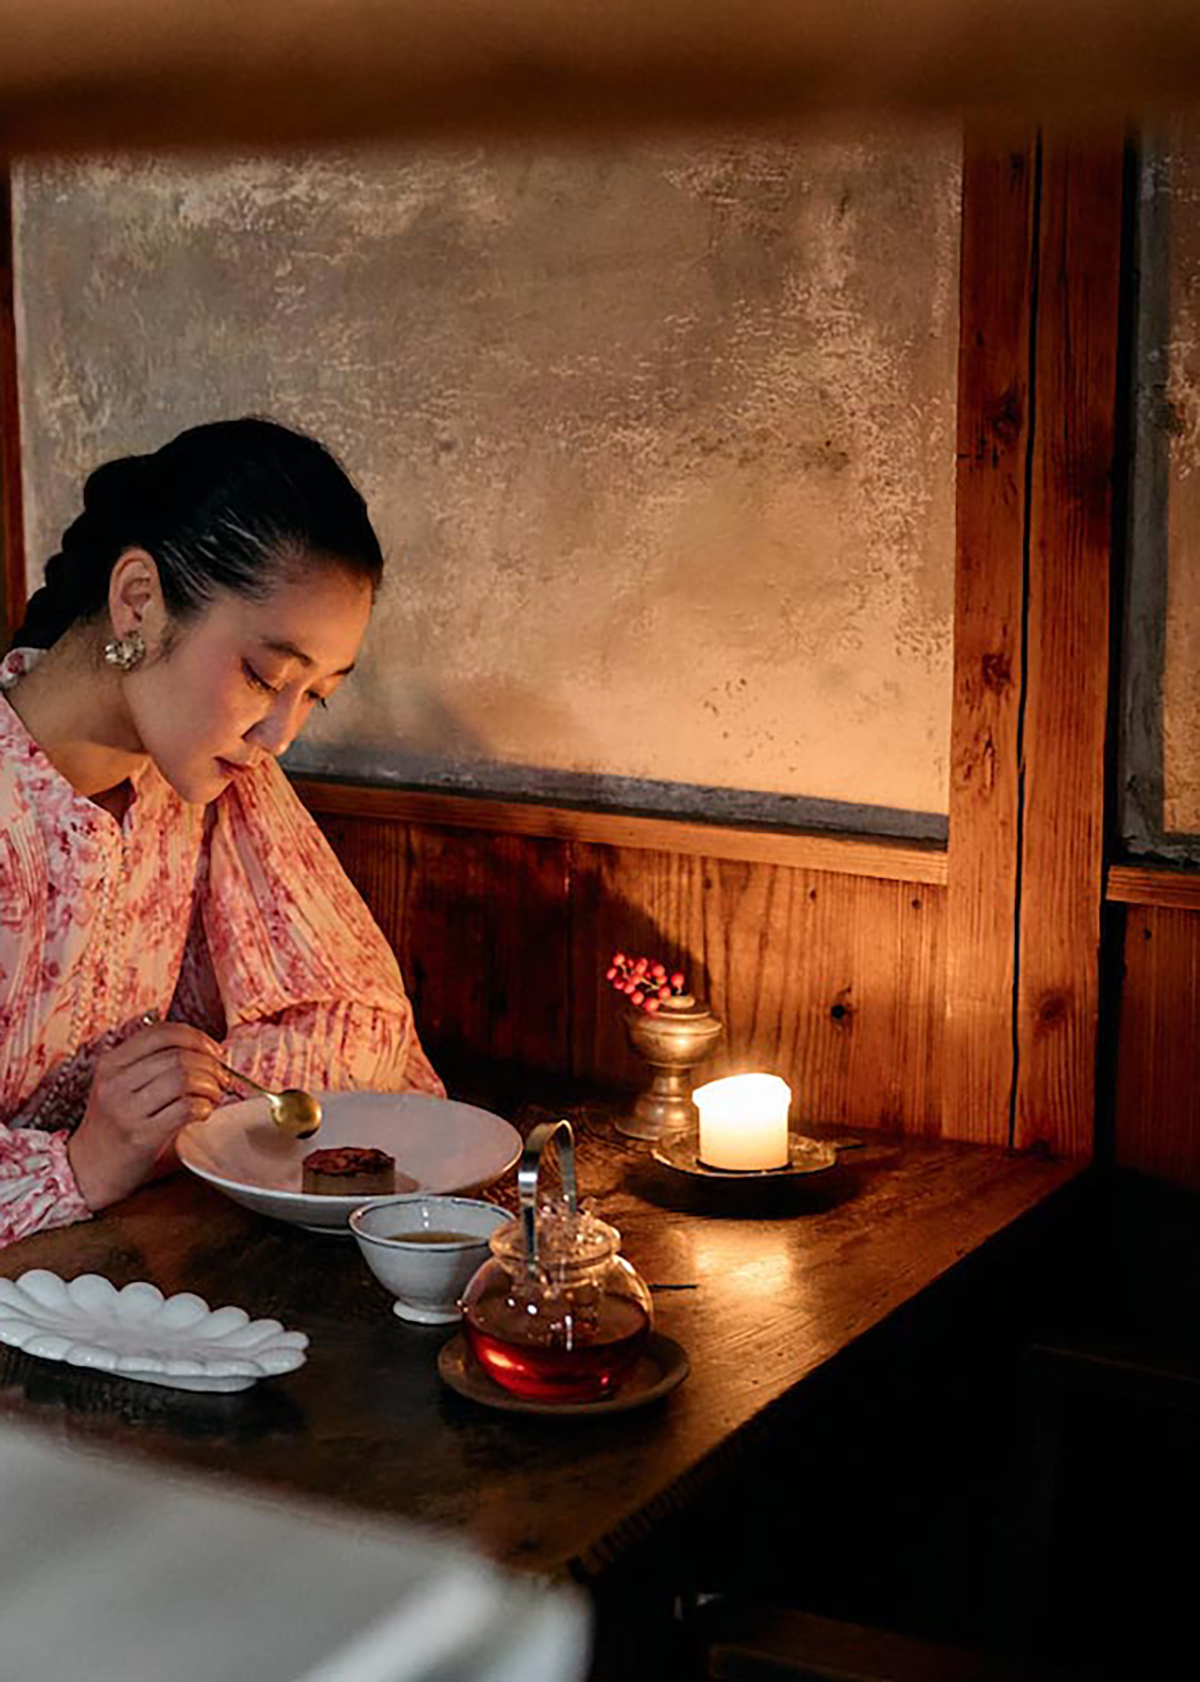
pixel 527 1177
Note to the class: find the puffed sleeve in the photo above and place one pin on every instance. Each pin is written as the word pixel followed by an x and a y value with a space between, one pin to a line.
pixel 37 1185
pixel 284 950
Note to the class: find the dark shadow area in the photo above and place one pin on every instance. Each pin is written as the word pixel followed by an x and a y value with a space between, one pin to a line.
pixel 1008 1470
pixel 265 1410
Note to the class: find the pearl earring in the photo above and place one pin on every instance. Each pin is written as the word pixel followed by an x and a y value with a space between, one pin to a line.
pixel 126 652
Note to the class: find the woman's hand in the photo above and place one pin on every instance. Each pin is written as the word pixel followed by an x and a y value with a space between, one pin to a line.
pixel 143 1092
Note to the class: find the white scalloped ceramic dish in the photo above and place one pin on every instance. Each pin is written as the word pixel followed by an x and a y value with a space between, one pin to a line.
pixel 439 1144
pixel 138 1333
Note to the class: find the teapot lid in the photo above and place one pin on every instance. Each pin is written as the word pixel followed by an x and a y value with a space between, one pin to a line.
pixel 565 1239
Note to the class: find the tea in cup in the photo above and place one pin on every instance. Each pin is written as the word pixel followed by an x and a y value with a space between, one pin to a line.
pixel 423 1248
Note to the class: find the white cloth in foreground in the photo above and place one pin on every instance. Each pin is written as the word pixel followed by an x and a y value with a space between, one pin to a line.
pixel 120 1574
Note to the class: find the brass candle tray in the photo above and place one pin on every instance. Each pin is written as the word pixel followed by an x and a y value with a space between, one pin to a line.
pixel 681 1152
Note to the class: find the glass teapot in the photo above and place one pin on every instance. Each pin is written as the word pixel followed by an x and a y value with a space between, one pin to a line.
pixel 555 1313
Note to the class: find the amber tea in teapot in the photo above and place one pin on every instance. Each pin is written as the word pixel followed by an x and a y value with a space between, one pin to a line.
pixel 586 1370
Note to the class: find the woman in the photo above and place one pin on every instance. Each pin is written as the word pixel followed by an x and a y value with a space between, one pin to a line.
pixel 154 861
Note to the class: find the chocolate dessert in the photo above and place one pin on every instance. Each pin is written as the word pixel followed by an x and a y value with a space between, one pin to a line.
pixel 349 1171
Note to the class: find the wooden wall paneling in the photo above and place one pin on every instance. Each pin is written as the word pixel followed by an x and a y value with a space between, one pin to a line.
pixel 834 982
pixel 920 1064
pixel 479 924
pixel 487 940
pixel 12 536
pixel 1067 691
pixel 624 899
pixel 997 290
pixel 868 966
pixel 1158 1095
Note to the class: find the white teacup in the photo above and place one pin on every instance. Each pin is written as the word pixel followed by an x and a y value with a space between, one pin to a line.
pixel 424 1248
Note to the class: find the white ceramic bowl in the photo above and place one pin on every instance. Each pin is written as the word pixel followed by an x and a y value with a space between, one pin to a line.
pixel 425 1279
pixel 439 1144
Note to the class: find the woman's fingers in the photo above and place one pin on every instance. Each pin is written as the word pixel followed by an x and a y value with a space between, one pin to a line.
pixel 142 1093
pixel 168 1121
pixel 163 1036
pixel 168 1088
pixel 195 1071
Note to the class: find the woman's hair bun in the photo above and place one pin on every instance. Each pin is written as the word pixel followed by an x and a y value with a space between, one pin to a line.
pixel 119 492
pixel 230 506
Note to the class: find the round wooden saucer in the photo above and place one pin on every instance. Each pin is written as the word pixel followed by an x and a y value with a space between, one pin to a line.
pixel 662 1365
pixel 680 1151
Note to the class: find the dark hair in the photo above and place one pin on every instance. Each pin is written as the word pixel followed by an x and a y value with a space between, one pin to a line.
pixel 234 505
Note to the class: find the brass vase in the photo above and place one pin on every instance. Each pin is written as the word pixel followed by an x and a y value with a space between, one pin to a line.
pixel 672 1040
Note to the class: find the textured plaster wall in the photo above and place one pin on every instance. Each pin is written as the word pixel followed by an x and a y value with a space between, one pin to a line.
pixel 1181 415
pixel 1161 718
pixel 660 442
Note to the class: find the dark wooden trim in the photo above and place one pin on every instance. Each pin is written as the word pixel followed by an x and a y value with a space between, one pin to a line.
pixel 1067 644
pixel 892 861
pixel 167 73
pixel 12 533
pixel 997 287
pixel 1153 884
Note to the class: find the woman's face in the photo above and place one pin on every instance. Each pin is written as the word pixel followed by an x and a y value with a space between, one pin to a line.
pixel 242 678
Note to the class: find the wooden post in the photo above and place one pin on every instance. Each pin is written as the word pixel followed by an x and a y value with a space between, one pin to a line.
pixel 1041 272
pixel 1068 664
pixel 998 284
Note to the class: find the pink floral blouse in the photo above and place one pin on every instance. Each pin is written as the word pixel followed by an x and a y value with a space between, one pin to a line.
pixel 234 916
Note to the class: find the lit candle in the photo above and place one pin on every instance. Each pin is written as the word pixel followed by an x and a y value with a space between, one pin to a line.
pixel 744 1122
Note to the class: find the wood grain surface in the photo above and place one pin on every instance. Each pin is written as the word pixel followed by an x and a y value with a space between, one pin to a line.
pixel 833 982
pixel 1158 1095
pixel 998 283
pixel 1149 884
pixel 781 1287
pixel 1066 706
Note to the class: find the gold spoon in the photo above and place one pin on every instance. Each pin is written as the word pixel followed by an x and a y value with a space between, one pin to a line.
pixel 296 1111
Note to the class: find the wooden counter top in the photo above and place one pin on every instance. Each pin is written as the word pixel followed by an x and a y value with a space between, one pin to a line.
pixel 782 1286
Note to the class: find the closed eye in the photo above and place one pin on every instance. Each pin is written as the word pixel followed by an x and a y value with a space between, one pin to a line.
pixel 256 680
pixel 321 700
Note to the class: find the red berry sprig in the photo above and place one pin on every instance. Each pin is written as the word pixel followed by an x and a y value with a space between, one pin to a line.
pixel 645 983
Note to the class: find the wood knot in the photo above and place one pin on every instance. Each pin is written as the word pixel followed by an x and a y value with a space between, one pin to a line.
pixel 1004 418
pixel 997 673
pixel 841 1010
pixel 1051 1010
